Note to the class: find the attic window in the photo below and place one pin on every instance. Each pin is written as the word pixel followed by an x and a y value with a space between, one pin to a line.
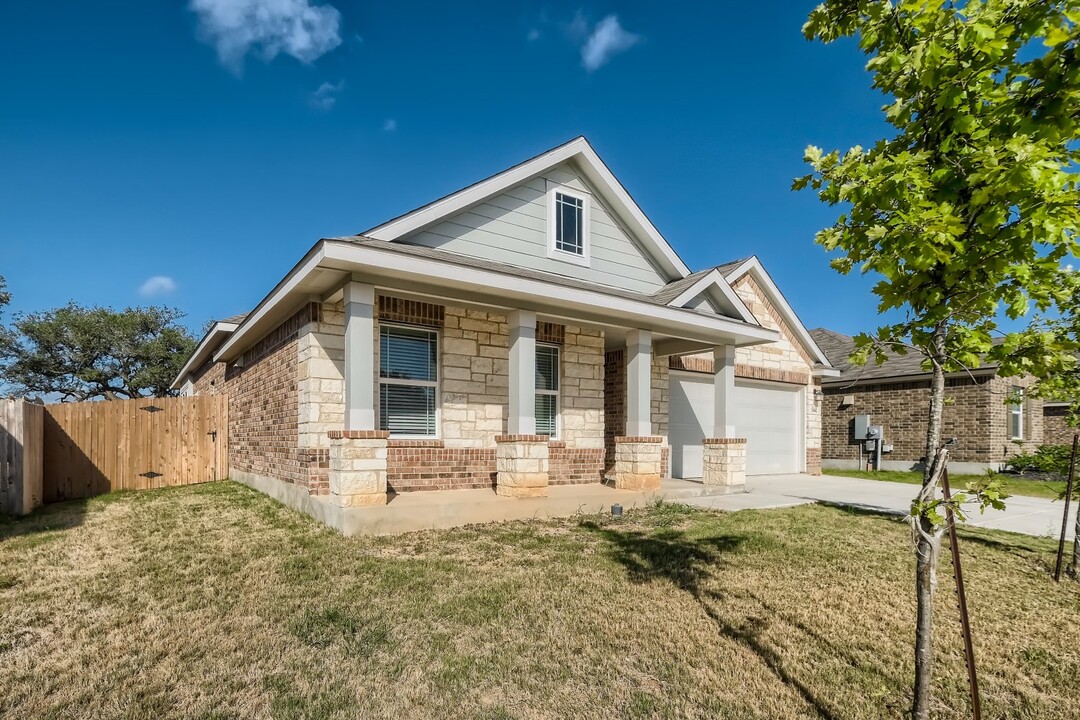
pixel 568 222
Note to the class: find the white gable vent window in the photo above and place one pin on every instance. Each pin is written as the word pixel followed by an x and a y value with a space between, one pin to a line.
pixel 568 225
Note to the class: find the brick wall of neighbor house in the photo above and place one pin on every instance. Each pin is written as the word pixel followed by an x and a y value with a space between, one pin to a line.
pixel 1056 430
pixel 1002 446
pixel 975 414
pixel 263 410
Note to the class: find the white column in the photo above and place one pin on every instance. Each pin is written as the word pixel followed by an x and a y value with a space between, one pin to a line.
pixel 522 419
pixel 724 389
pixel 639 383
pixel 359 356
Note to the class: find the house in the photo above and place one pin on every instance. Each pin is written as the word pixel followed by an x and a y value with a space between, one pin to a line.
pixel 530 330
pixel 987 427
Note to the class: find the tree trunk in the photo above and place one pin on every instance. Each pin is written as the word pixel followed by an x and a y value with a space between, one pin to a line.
pixel 925 552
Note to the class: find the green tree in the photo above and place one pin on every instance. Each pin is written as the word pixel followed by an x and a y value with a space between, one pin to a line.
pixel 86 353
pixel 966 213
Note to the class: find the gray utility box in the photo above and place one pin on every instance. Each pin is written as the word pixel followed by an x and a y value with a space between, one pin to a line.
pixel 862 427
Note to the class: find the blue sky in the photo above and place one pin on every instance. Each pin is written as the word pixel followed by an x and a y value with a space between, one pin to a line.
pixel 189 154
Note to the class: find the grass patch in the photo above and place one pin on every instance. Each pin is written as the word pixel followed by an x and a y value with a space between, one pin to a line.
pixel 214 601
pixel 1016 485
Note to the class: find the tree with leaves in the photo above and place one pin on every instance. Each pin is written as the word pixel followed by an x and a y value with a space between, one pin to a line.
pixel 80 353
pixel 965 214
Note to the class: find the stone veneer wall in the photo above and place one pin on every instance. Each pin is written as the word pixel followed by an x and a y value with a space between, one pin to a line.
pixel 975 414
pixel 474 387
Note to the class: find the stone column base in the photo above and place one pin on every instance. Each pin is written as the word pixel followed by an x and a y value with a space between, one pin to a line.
pixel 637 462
pixel 725 462
pixel 522 465
pixel 358 467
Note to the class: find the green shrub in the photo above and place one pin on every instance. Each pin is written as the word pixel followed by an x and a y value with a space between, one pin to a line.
pixel 1046 458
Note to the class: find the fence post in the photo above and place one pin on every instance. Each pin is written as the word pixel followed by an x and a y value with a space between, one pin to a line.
pixel 21 428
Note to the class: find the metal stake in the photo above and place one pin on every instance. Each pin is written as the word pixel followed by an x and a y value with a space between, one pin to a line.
pixel 1065 519
pixel 961 599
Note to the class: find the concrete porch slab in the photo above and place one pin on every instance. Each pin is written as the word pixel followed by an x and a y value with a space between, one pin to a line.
pixel 440 509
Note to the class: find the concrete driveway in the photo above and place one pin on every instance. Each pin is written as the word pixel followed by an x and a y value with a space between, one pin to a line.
pixel 1029 516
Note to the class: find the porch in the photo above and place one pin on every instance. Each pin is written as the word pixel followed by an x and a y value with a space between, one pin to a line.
pixel 440 509
pixel 515 400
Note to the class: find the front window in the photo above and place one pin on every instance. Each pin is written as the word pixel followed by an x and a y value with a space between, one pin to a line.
pixel 408 381
pixel 1016 413
pixel 547 390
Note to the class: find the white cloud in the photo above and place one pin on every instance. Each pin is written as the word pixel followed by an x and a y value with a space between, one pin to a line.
pixel 267 28
pixel 326 95
pixel 157 286
pixel 390 125
pixel 608 39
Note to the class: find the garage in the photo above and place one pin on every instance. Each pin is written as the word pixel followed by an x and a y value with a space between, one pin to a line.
pixel 768 415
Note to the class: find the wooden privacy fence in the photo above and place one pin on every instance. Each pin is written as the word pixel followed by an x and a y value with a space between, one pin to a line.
pixel 20 456
pixel 91 448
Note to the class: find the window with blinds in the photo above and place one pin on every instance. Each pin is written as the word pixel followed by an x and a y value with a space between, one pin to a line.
pixel 408 381
pixel 547 390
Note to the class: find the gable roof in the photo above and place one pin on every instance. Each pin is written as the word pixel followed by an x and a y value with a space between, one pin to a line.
pixel 732 271
pixel 839 347
pixel 714 287
pixel 592 168
pixel 206 347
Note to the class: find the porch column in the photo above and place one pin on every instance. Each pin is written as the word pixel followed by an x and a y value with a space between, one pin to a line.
pixel 724 391
pixel 521 456
pixel 358 451
pixel 724 454
pixel 638 453
pixel 359 356
pixel 639 383
pixel 522 417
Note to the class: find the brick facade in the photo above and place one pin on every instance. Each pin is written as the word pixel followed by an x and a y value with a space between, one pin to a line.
pixel 1056 430
pixel 975 414
pixel 287 395
pixel 263 411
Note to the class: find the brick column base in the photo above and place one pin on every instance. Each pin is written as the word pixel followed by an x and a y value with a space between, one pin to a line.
pixel 521 462
pixel 637 462
pixel 725 462
pixel 358 467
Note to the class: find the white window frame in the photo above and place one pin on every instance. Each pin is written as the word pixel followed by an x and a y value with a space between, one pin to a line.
pixel 555 393
pixel 1016 410
pixel 585 258
pixel 437 383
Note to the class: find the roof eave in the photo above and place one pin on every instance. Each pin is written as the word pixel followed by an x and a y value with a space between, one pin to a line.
pixel 203 351
pixel 343 255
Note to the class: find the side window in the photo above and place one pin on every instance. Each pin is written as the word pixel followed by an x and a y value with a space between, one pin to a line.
pixel 547 390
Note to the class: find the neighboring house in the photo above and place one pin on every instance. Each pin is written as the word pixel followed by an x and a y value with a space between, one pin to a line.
pixel 532 329
pixel 987 428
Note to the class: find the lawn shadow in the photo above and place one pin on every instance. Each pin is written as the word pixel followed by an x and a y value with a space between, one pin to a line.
pixel 48 518
pixel 687 563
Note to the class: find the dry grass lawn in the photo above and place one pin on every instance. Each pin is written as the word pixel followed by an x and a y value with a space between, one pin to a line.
pixel 215 602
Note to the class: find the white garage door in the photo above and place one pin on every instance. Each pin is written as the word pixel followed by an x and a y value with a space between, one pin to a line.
pixel 767 415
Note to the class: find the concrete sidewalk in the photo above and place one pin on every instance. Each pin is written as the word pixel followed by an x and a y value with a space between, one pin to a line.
pixel 1026 515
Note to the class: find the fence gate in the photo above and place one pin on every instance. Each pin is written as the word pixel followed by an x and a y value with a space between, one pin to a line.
pixel 96 447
